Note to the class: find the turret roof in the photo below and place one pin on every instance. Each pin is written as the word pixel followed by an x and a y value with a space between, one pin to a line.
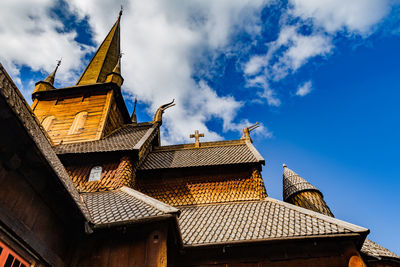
pixel 293 183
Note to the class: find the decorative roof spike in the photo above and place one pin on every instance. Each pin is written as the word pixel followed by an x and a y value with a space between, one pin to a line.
pixel 105 59
pixel 48 83
pixel 247 130
pixel 299 192
pixel 133 117
pixel 160 111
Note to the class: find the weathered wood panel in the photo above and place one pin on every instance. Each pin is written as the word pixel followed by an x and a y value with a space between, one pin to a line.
pixel 145 245
pixel 114 119
pixel 27 210
pixel 333 252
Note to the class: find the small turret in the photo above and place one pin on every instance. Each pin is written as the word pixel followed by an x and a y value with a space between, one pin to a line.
pixel 115 75
pixel 160 111
pixel 299 192
pixel 48 83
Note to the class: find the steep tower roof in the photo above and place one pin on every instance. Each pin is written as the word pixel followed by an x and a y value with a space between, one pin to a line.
pixel 293 183
pixel 105 59
pixel 48 83
pixel 50 79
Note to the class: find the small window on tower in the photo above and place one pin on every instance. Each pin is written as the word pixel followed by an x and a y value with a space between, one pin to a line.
pixel 48 122
pixel 95 173
pixel 79 123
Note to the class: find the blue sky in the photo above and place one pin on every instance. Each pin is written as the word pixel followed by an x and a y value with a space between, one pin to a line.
pixel 321 78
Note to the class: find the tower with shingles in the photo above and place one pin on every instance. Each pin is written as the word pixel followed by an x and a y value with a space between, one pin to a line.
pixel 91 109
pixel 299 192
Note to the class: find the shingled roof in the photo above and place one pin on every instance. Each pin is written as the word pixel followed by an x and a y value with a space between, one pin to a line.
pixel 293 183
pixel 264 220
pixel 374 250
pixel 124 205
pixel 125 138
pixel 208 154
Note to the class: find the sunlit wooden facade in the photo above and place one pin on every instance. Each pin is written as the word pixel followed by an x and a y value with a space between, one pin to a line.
pixel 84 184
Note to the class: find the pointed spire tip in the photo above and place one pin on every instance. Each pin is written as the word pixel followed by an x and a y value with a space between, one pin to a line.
pixel 284 165
pixel 121 11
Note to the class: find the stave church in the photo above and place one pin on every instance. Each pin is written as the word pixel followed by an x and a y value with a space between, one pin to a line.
pixel 84 183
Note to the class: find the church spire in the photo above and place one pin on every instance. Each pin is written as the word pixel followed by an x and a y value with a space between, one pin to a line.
pixel 48 83
pixel 299 192
pixel 106 58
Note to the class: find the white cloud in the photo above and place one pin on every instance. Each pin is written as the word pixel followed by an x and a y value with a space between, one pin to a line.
pixel 355 16
pixel 30 36
pixel 299 49
pixel 304 89
pixel 255 64
pixel 293 48
pixel 165 42
pixel 162 41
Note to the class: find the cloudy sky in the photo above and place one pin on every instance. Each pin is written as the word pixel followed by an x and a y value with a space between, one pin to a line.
pixel 321 77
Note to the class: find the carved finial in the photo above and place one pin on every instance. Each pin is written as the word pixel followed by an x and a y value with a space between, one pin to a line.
pixel 284 165
pixel 59 62
pixel 133 117
pixel 247 130
pixel 196 137
pixel 121 11
pixel 160 111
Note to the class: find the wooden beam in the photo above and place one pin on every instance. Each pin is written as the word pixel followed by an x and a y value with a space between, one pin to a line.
pixel 29 238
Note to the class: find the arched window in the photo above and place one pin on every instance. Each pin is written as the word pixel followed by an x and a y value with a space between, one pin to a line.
pixel 79 123
pixel 95 174
pixel 48 122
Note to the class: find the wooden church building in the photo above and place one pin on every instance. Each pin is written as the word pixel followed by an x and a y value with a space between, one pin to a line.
pixel 83 183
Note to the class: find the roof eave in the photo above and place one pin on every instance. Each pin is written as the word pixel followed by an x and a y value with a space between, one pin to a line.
pixel 355 236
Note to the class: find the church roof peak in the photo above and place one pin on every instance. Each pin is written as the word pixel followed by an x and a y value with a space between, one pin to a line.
pixel 293 183
pixel 106 58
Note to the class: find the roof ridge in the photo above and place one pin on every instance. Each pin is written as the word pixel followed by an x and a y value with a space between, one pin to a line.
pixel 255 152
pixel 202 145
pixel 150 201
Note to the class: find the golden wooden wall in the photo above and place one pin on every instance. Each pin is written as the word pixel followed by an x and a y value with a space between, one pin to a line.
pixel 103 116
pixel 114 118
pixel 65 109
pixel 115 174
pixel 213 188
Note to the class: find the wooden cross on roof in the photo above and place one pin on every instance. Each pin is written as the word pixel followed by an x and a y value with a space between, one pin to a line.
pixel 196 137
